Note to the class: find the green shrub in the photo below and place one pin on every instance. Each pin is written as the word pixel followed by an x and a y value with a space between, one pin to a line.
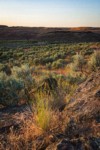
pixel 10 90
pixel 88 52
pixel 24 73
pixel 94 62
pixel 48 65
pixel 13 87
pixel 58 64
pixel 36 61
pixel 78 63
pixel 75 79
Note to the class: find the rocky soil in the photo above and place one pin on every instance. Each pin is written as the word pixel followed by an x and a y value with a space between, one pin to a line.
pixel 83 130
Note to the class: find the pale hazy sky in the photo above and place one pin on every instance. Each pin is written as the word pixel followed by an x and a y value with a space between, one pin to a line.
pixel 50 13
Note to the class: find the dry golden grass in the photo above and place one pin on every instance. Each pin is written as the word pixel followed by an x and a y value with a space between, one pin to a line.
pixel 31 135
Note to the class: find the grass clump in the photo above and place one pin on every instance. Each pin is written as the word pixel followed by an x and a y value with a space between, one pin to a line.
pixel 43 113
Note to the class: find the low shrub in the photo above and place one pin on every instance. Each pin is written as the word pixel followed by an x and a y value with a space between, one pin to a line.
pixel 58 64
pixel 11 90
pixel 48 65
pixel 94 62
pixel 78 63
pixel 75 78
pixel 13 87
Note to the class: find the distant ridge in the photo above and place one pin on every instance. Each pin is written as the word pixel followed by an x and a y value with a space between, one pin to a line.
pixel 77 34
pixel 3 26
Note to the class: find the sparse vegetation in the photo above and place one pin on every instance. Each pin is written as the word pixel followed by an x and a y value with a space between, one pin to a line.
pixel 44 77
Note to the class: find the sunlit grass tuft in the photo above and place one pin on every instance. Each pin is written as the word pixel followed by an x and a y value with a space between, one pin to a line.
pixel 42 112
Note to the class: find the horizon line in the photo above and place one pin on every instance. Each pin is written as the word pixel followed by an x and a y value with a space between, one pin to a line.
pixel 51 26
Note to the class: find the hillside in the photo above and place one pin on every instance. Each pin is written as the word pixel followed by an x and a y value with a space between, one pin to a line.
pixel 81 34
pixel 82 131
pixel 82 115
pixel 49 88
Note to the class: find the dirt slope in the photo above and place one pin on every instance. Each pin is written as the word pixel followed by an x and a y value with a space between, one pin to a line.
pixel 86 101
pixel 83 130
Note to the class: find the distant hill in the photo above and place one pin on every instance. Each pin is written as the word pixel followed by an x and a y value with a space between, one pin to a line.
pixel 79 34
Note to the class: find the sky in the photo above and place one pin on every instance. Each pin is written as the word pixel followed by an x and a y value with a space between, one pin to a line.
pixel 50 13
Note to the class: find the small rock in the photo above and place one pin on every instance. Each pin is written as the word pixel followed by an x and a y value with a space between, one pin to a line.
pixel 95 143
pixel 60 136
pixel 97 94
pixel 65 145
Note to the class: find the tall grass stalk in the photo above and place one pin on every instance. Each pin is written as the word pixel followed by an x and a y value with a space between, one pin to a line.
pixel 43 112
